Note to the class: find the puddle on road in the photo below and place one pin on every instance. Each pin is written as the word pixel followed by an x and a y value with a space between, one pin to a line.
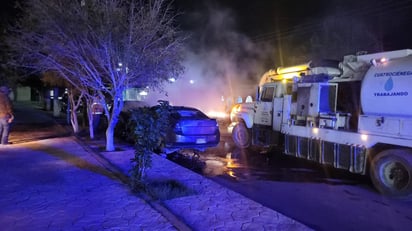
pixel 231 162
pixel 237 164
pixel 215 166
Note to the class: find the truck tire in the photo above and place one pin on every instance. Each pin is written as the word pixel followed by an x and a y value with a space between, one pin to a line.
pixel 241 135
pixel 391 173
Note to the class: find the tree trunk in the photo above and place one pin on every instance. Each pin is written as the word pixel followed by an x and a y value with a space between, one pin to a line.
pixel 89 105
pixel 112 121
pixel 110 137
pixel 74 122
pixel 91 125
pixel 74 106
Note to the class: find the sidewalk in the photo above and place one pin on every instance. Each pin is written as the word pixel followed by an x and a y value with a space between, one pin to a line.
pixel 54 184
pixel 213 207
pixel 61 183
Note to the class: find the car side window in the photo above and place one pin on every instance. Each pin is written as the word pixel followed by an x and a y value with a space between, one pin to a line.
pixel 267 94
pixel 187 113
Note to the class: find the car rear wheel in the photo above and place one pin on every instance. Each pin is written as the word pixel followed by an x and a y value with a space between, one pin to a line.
pixel 391 172
pixel 241 135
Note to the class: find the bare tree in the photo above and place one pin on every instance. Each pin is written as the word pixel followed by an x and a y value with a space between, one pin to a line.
pixel 76 95
pixel 104 46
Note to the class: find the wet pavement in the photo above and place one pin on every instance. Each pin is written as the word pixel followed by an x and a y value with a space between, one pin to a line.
pixel 260 164
pixel 65 183
pixel 319 196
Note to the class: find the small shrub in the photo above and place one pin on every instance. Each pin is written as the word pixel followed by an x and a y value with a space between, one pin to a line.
pixel 150 125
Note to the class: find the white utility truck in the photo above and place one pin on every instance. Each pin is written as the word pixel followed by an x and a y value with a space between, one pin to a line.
pixel 355 114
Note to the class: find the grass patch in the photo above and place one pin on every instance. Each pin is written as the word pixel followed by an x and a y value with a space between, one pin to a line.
pixel 167 189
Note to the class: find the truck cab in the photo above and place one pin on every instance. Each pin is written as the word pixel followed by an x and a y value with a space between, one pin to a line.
pixel 258 123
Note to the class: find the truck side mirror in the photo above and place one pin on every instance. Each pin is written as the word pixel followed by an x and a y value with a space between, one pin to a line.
pixel 257 93
pixel 249 99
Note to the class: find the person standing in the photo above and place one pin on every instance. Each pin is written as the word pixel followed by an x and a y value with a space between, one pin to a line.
pixel 6 114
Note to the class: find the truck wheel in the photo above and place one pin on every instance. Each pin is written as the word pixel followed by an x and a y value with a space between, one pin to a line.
pixel 391 172
pixel 241 135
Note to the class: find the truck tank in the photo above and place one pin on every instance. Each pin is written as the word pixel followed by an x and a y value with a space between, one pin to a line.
pixel 387 88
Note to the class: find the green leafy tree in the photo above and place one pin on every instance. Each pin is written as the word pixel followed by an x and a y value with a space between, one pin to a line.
pixel 101 46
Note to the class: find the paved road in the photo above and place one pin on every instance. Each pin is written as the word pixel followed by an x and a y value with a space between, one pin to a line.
pixel 320 197
pixel 33 123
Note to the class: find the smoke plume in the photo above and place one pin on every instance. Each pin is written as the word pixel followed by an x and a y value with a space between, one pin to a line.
pixel 221 64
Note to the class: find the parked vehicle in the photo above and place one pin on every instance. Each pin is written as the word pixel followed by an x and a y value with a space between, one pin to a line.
pixel 191 129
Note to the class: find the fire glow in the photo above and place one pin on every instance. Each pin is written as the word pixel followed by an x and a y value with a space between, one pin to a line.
pixel 217 114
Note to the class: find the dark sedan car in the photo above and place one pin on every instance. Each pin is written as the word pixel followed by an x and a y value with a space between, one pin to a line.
pixel 192 129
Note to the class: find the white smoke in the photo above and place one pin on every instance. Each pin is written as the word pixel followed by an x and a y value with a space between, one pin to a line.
pixel 221 64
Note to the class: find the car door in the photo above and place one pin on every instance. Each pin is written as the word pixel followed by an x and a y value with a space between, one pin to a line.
pixel 264 107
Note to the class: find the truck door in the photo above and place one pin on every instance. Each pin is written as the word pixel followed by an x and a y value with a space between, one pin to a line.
pixel 264 107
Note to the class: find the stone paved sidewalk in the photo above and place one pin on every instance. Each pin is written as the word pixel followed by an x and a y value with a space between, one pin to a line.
pixel 54 184
pixel 213 207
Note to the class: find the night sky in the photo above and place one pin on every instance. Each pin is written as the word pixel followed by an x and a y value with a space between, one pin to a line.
pixel 7 12
pixel 266 30
pixel 264 20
